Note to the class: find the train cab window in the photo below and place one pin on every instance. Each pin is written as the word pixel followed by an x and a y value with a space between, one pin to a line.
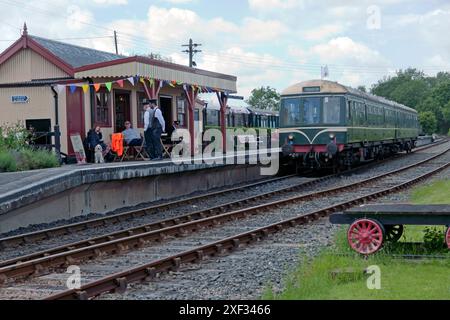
pixel 290 113
pixel 332 110
pixel 311 110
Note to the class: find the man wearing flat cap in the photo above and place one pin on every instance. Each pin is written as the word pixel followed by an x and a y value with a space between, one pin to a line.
pixel 149 112
pixel 154 126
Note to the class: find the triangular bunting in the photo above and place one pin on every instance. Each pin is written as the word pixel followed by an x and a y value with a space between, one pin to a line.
pixel 97 86
pixel 73 88
pixel 131 80
pixel 85 88
pixel 152 82
pixel 142 80
pixel 60 88
pixel 108 85
pixel 120 83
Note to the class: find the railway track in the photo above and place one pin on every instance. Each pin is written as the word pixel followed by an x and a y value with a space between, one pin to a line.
pixel 132 239
pixel 305 189
pixel 36 236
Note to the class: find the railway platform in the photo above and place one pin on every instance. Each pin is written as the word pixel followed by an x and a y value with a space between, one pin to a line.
pixel 45 196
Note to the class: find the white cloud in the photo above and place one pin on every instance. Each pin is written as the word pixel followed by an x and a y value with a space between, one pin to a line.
pixel 350 62
pixel 273 5
pixel 77 17
pixel 179 1
pixel 111 2
pixel 323 32
pixel 256 30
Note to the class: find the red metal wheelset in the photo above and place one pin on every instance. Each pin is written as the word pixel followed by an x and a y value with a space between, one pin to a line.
pixel 447 237
pixel 365 236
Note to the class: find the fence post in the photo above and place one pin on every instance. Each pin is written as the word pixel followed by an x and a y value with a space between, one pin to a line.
pixel 58 142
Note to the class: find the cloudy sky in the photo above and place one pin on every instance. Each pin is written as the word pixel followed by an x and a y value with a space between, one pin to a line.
pixel 262 42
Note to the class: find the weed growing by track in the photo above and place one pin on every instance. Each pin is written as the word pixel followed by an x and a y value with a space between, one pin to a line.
pixel 339 274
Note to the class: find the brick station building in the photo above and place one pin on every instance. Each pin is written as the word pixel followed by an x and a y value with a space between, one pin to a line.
pixel 47 83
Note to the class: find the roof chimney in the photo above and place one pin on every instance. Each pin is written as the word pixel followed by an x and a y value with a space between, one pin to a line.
pixel 25 29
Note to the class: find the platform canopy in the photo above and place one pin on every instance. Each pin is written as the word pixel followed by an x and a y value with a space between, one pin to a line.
pixel 156 69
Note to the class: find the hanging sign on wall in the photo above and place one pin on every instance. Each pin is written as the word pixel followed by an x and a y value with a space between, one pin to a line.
pixel 20 99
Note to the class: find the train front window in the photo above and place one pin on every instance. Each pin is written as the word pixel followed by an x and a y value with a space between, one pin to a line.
pixel 311 111
pixel 331 110
pixel 290 115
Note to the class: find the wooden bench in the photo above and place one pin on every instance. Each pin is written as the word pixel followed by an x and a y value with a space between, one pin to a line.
pixel 371 225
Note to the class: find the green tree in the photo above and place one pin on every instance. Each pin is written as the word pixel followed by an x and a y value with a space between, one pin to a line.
pixel 408 87
pixel 265 98
pixel 362 88
pixel 428 122
pixel 412 88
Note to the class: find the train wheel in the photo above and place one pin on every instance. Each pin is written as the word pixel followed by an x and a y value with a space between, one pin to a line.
pixel 365 236
pixel 447 237
pixel 393 233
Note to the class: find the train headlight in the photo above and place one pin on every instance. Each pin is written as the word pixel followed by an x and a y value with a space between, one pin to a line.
pixel 332 136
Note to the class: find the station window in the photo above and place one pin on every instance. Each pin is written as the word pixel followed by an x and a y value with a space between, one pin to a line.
pixel 332 110
pixel 212 117
pixel 182 111
pixel 140 109
pixel 103 108
pixel 290 113
pixel 311 110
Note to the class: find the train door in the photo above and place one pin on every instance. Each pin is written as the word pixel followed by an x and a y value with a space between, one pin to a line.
pixel 350 113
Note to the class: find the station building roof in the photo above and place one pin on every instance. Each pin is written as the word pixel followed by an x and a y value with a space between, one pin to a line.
pixel 73 55
pixel 81 63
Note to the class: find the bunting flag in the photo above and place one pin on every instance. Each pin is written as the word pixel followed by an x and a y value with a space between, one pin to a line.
pixel 97 86
pixel 154 83
pixel 60 88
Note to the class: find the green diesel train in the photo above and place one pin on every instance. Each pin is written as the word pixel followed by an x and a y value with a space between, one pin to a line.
pixel 326 124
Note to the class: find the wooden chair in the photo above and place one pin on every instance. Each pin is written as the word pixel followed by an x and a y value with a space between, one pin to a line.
pixel 140 152
pixel 134 152
pixel 167 149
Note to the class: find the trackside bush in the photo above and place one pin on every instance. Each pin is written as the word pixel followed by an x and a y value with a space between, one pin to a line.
pixel 17 155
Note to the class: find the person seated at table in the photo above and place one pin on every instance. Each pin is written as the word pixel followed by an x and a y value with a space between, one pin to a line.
pixel 95 137
pixel 131 136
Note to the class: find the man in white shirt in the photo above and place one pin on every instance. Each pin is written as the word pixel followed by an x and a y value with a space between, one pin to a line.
pixel 148 115
pixel 158 126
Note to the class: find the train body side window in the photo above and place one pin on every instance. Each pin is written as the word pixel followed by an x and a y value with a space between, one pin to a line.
pixel 331 110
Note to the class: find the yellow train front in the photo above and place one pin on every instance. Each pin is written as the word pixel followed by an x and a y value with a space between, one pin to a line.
pixel 324 124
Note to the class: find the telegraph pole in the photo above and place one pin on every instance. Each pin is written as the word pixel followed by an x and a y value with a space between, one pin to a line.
pixel 115 42
pixel 191 51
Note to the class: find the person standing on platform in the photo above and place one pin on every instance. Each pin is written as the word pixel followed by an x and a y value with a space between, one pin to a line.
pixel 158 127
pixel 148 134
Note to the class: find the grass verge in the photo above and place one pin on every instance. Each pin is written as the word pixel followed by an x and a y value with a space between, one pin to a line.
pixel 338 273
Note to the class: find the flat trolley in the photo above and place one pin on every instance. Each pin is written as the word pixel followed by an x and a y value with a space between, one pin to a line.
pixel 372 225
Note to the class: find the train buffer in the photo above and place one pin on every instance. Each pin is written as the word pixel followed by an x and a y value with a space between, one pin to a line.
pixel 372 225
